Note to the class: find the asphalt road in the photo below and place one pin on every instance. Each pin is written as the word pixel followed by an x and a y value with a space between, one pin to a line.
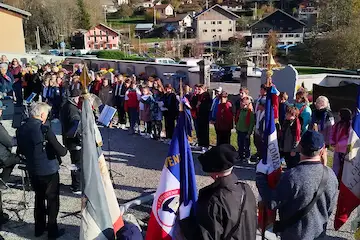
pixel 138 161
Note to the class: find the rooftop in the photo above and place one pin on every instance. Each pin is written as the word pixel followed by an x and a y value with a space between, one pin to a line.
pixel 15 10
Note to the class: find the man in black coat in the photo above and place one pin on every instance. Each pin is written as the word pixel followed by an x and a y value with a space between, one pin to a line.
pixel 38 144
pixel 70 116
pixel 203 117
pixel 8 160
pixel 226 209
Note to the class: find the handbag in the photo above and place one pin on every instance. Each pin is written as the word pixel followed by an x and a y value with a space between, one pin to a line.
pixel 281 226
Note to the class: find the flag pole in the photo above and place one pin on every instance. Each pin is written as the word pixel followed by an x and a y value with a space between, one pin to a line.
pixel 181 106
pixel 269 74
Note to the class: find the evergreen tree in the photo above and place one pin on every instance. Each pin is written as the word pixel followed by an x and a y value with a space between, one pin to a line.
pixel 83 16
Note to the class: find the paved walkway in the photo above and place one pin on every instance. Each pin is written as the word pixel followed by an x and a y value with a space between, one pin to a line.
pixel 139 162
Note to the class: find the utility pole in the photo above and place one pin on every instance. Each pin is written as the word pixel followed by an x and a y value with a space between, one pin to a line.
pixel 154 16
pixel 129 40
pixel 37 36
pixel 139 44
pixel 207 4
pixel 179 45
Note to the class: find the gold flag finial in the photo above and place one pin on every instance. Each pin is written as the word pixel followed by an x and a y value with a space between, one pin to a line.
pixel 271 64
pixel 84 79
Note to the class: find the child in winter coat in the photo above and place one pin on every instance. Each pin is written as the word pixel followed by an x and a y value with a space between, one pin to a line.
pixel 290 137
pixel 302 104
pixel 145 113
pixel 156 113
pixel 132 97
pixel 339 140
pixel 224 120
pixel 245 121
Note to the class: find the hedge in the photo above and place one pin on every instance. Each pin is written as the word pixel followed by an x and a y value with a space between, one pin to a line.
pixel 118 55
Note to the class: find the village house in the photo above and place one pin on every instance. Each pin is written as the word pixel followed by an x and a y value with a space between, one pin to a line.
pixel 289 30
pixel 98 37
pixel 12 19
pixel 215 24
pixel 179 21
pixel 165 10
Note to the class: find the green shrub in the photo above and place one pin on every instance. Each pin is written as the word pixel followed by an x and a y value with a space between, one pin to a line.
pixel 117 55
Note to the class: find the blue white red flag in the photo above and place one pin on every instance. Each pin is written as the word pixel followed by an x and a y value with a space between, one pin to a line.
pixel 271 154
pixel 349 195
pixel 177 186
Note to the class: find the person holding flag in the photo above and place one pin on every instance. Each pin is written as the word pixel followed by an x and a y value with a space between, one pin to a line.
pixel 305 195
pixel 100 212
pixel 176 195
pixel 226 209
pixel 349 195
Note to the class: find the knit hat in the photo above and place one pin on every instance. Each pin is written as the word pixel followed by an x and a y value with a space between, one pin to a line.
pixel 218 159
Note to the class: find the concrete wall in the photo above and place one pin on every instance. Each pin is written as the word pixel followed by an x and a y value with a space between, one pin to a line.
pixel 12 39
pixel 137 68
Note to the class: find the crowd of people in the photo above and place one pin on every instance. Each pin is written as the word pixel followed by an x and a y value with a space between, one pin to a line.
pixel 305 133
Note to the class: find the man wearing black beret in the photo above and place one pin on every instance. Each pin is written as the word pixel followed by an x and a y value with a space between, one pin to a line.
pixel 226 209
pixel 70 116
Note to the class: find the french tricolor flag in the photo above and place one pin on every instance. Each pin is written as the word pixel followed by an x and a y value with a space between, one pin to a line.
pixel 349 195
pixel 270 154
pixel 177 187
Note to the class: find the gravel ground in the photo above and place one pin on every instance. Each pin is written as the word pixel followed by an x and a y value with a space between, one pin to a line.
pixel 139 162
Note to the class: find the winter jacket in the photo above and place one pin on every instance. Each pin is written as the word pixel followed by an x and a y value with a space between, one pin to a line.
pixel 325 121
pixel 290 136
pixel 132 97
pixel 224 117
pixel 145 114
pixel 305 116
pixel 6 83
pixel 214 109
pixel 246 121
pixel 340 137
pixel 70 116
pixel 106 95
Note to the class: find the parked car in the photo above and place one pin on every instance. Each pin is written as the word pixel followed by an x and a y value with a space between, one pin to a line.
pixel 236 73
pixel 162 60
pixel 228 73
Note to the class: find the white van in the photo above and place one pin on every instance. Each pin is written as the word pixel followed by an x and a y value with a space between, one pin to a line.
pixel 165 61
pixel 192 62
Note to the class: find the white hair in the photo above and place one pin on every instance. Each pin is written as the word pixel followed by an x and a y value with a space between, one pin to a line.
pixel 325 100
pixel 38 108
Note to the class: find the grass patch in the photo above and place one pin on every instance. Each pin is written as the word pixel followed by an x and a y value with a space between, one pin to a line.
pixel 319 70
pixel 154 40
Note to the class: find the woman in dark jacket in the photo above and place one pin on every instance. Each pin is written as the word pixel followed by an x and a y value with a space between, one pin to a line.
pixel 16 70
pixel 170 115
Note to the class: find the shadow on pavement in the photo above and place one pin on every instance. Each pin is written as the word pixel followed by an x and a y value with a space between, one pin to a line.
pixel 26 230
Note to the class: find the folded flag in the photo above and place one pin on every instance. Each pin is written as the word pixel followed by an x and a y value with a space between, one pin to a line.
pixel 100 212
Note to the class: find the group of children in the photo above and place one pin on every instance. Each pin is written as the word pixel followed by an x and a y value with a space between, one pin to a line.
pixel 294 120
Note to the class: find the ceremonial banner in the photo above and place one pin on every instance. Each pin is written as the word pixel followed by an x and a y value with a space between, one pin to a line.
pixel 271 153
pixel 349 195
pixel 100 212
pixel 177 186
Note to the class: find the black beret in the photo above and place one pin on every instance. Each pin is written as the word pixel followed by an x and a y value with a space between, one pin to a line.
pixel 218 159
